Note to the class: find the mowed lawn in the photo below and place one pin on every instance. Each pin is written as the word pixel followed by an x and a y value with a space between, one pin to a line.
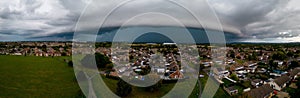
pixel 138 92
pixel 38 77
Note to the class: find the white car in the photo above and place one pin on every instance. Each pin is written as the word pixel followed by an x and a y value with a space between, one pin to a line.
pixel 201 76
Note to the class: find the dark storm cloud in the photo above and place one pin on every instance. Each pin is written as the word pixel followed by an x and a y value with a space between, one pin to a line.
pixel 64 35
pixel 245 19
pixel 199 34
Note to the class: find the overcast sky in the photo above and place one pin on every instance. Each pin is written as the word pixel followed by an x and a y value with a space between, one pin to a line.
pixel 251 20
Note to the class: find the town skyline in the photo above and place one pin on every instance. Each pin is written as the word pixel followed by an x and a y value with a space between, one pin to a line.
pixel 150 48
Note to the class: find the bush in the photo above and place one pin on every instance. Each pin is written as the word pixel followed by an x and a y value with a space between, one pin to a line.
pixel 264 77
pixel 123 88
pixel 246 84
pixel 80 94
pixel 70 64
pixel 63 54
pixel 110 66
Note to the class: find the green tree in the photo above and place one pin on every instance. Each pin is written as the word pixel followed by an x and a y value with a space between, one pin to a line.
pixel 231 54
pixel 279 56
pixel 201 67
pixel 56 48
pixel 63 54
pixel 101 60
pixel 145 70
pixel 290 54
pixel 294 64
pixel 110 66
pixel 80 94
pixel 296 55
pixel 252 56
pixel 234 77
pixel 298 82
pixel 294 92
pixel 44 48
pixel 273 64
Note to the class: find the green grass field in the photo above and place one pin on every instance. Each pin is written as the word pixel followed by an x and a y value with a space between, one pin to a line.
pixel 138 92
pixel 30 76
pixel 141 93
pixel 38 77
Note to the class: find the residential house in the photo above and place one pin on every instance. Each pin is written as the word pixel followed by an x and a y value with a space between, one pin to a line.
pixel 257 82
pixel 112 73
pixel 264 91
pixel 294 73
pixel 280 82
pixel 206 63
pixel 261 70
pixel 231 90
pixel 176 75
pixel 160 70
pixel 252 67
pixel 220 73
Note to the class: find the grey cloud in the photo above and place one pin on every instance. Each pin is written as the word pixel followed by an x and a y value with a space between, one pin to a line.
pixel 244 12
pixel 35 18
pixel 260 19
